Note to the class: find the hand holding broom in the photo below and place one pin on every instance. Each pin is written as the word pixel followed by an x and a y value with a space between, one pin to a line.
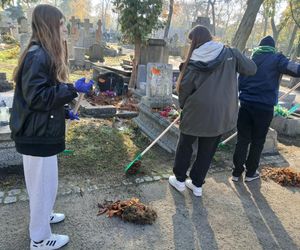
pixel 83 86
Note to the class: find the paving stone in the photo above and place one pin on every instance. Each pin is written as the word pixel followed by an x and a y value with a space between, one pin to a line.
pixel 165 176
pixel 23 197
pixel 10 199
pixel 14 192
pixel 1 194
pixel 139 180
pixel 76 189
pixel 92 188
pixel 156 178
pixel 148 178
pixel 66 191
pixel 126 183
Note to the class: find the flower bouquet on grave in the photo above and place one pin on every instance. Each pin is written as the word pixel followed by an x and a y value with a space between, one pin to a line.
pixel 170 113
pixel 109 93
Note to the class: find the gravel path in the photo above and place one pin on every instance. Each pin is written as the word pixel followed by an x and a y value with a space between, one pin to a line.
pixel 259 215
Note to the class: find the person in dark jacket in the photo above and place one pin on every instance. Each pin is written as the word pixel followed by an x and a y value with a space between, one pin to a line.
pixel 258 95
pixel 208 97
pixel 38 119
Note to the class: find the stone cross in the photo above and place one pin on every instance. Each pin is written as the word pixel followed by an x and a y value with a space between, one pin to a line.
pixel 204 21
pixel 87 25
pixel 74 25
pixel 99 32
pixel 23 25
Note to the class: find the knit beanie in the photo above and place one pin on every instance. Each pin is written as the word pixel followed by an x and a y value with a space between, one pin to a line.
pixel 267 41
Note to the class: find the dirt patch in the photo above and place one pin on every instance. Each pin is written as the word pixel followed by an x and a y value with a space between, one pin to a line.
pixel 129 210
pixel 282 176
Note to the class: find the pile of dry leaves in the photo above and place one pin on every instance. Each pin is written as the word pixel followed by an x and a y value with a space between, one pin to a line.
pixel 128 210
pixel 282 176
pixel 120 102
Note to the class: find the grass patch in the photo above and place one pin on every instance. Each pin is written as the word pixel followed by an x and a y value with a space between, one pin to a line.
pixel 101 149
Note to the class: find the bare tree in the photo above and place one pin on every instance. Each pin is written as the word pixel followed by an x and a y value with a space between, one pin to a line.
pixel 266 20
pixel 295 11
pixel 170 14
pixel 278 28
pixel 212 4
pixel 244 30
pixel 292 39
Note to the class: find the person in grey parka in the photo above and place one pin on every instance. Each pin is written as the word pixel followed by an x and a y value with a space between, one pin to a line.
pixel 208 96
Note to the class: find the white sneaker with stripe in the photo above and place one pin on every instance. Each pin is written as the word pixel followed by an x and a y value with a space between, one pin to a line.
pixel 55 241
pixel 197 191
pixel 56 218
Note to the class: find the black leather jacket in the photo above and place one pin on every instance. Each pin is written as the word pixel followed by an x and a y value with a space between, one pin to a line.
pixel 38 114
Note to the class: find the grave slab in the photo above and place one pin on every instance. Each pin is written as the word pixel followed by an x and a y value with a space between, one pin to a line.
pixel 152 124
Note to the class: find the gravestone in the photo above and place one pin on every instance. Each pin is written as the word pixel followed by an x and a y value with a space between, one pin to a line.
pixel 155 51
pixel 23 28
pixel 8 153
pixel 24 40
pixel 204 21
pixel 99 32
pixel 87 25
pixel 96 52
pixel 4 84
pixel 159 85
pixel 141 79
pixel 79 53
pixel 74 25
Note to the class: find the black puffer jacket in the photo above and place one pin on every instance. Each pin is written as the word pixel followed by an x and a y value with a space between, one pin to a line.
pixel 38 114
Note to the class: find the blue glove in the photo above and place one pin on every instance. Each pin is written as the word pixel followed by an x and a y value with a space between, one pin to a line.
pixel 73 116
pixel 83 87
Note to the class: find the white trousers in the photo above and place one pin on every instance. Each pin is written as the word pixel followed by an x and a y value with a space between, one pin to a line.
pixel 41 177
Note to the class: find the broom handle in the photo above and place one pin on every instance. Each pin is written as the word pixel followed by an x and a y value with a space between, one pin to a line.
pixel 292 89
pixel 161 135
pixel 280 98
pixel 77 105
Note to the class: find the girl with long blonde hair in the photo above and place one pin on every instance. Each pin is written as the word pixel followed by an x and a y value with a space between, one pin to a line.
pixel 38 119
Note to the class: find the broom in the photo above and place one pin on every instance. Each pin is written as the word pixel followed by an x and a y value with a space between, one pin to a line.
pixel 222 144
pixel 133 166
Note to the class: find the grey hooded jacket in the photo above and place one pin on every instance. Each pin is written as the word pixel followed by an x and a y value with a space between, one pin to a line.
pixel 208 93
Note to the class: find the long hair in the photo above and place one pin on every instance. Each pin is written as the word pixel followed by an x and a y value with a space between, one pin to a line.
pixel 46 31
pixel 198 36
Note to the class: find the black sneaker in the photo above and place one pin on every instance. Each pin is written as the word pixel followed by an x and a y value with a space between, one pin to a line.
pixel 253 177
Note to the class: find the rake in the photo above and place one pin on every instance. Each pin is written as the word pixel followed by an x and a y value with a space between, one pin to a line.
pixel 133 166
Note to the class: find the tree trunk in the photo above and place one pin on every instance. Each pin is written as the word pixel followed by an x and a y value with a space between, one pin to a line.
pixel 274 30
pixel 296 54
pixel 244 30
pixel 168 24
pixel 213 16
pixel 292 39
pixel 266 19
pixel 207 9
pixel 135 63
